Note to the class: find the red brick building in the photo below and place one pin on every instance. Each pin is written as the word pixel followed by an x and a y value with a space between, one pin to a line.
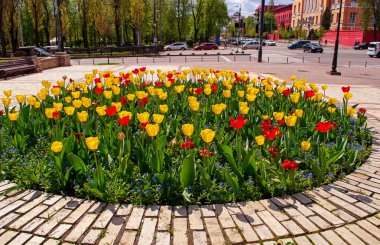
pixel 283 15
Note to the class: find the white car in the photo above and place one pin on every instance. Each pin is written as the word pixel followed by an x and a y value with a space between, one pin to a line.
pixel 271 43
pixel 176 46
pixel 374 49
pixel 251 45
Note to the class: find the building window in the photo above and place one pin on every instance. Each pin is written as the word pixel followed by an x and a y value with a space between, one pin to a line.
pixel 353 1
pixel 352 17
pixel 316 20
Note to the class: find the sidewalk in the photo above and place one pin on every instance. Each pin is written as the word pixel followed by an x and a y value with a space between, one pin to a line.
pixel 345 212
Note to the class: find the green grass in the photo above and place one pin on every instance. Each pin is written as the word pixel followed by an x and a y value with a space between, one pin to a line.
pixel 106 63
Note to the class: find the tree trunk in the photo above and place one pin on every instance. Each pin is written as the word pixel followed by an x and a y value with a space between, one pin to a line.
pixel 60 34
pixel 179 21
pixel 84 24
pixel 13 28
pixel 2 33
pixel 117 21
pixel 47 21
pixel 36 36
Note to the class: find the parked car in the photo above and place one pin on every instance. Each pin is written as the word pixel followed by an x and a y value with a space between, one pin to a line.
pixel 176 46
pixel 361 46
pixel 32 50
pixel 312 48
pixel 207 46
pixel 51 49
pixel 271 43
pixel 251 45
pixel 374 49
pixel 297 44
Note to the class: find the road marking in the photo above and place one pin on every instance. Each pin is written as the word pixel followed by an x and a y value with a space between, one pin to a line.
pixel 226 59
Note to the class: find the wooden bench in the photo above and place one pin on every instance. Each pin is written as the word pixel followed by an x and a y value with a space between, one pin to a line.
pixel 17 67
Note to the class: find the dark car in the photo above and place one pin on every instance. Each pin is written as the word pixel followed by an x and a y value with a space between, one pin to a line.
pixel 207 46
pixel 361 46
pixel 31 50
pixel 312 48
pixel 298 44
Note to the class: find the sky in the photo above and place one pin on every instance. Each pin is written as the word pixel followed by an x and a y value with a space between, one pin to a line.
pixel 249 6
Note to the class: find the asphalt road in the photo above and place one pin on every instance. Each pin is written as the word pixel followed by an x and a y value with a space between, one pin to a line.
pixel 280 54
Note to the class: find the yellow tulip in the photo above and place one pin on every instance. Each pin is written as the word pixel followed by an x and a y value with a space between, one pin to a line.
pixel 179 89
pixel 298 112
pixel 130 97
pixel 192 99
pixel 265 117
pixel 20 98
pixel 124 114
pixel 240 93
pixel 324 87
pixel 46 84
pixel 152 129
pixel 56 146
pixel 69 110
pixel 61 83
pixel 116 90
pixel 350 111
pixel 107 94
pixel 207 135
pixel 163 96
pixel 290 120
pixel 68 99
pixel 217 109
pixel 49 112
pixel 86 102
pixel 56 91
pixel 207 91
pixel 163 108
pixel 250 97
pixel 37 105
pixel 188 129
pixel 8 93
pixel 260 140
pixel 331 109
pixel 332 101
pixel 82 116
pixel 158 118
pixel 141 94
pixel 348 95
pixel 278 115
pixel 194 105
pixel 118 105
pixel 75 94
pixel 305 145
pixel 227 93
pixel 41 95
pixel 77 103
pixel 244 110
pixel 92 143
pixel 101 110
pixel 318 96
pixel 6 101
pixel 143 117
pixel 13 116
pixel 58 106
pixel 295 98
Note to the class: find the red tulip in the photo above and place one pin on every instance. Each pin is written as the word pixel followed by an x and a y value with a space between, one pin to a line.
pixel 238 123
pixel 143 101
pixel 272 133
pixel 188 144
pixel 111 111
pixel 205 152
pixel 143 69
pixel 56 115
pixel 135 71
pixel 274 151
pixel 286 92
pixel 289 165
pixel 362 110
pixel 323 127
pixel 199 91
pixel 346 89
pixel 309 93
pixel 124 121
pixel 107 75
pixel 158 84
pixel 123 100
pixel 98 90
pixel 170 75
pixel 1 112
pixel 97 80
pixel 214 87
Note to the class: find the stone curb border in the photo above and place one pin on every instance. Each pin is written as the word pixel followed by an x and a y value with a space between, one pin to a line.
pixel 344 212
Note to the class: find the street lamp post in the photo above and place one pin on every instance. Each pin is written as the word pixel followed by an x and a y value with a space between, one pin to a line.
pixel 155 27
pixel 335 57
pixel 260 54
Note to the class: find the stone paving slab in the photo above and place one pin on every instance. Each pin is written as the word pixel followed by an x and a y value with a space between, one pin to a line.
pixel 345 212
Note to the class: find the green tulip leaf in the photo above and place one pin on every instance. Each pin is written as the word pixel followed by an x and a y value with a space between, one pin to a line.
pixel 228 154
pixel 77 163
pixel 188 171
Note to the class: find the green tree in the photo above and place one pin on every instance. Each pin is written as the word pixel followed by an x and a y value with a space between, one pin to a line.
pixel 371 12
pixel 137 17
pixel 269 22
pixel 35 10
pixel 250 26
pixel 326 19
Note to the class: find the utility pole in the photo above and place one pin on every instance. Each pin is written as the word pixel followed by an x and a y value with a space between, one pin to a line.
pixel 335 57
pixel 260 54
pixel 160 21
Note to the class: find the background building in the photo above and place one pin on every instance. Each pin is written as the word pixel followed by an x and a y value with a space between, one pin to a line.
pixel 283 16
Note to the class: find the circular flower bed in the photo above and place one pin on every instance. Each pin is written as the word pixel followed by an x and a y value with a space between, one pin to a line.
pixel 194 136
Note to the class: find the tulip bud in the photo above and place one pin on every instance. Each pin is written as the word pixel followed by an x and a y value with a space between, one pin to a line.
pixel 121 136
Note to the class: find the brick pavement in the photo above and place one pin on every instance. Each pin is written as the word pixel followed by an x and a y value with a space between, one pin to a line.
pixel 345 212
